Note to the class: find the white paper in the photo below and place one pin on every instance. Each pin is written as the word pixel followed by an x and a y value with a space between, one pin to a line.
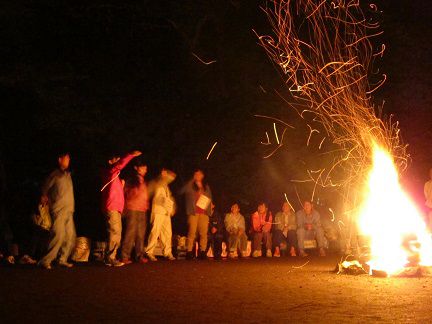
pixel 203 202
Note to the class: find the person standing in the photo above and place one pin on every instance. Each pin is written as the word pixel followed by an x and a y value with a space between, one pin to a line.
pixel 198 198
pixel 163 208
pixel 136 206
pixel 284 232
pixel 113 204
pixel 58 193
pixel 428 199
pixel 261 230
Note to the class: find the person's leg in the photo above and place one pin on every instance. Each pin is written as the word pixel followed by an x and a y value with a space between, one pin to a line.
pixel 243 241
pixel 217 245
pixel 256 246
pixel 292 239
pixel 140 234
pixel 130 232
pixel 57 236
pixel 233 242
pixel 114 226
pixel 69 241
pixel 267 240
pixel 192 229
pixel 203 223
pixel 300 240
pixel 156 223
pixel 166 236
pixel 319 235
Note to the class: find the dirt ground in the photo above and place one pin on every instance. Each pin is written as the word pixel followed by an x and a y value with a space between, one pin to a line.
pixel 250 290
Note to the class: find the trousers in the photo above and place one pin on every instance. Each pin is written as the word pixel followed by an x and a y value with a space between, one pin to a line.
pixel 136 225
pixel 197 224
pixel 114 229
pixel 161 228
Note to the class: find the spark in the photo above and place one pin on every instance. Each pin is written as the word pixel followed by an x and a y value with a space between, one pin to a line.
pixel 330 79
pixel 268 140
pixel 333 216
pixel 275 131
pixel 211 150
pixel 286 198
pixel 202 61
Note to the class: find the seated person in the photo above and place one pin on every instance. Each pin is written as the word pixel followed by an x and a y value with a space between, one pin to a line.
pixel 236 229
pixel 308 219
pixel 261 230
pixel 284 231
pixel 215 232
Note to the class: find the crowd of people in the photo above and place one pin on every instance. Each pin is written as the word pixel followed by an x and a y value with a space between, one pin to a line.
pixel 127 204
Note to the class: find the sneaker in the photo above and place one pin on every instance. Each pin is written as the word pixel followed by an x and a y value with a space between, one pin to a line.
pixel 190 255
pixel 303 253
pixel 256 254
pixel 322 252
pixel 244 254
pixel 151 257
pixel 45 266
pixel 203 255
pixel 26 259
pixel 293 252
pixel 269 253
pixel 142 260
pixel 170 257
pixel 65 264
pixel 113 263
pixel 233 255
pixel 277 253
pixel 126 261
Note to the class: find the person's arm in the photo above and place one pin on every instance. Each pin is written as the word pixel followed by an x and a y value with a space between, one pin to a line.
pixel 242 224
pixel 268 225
pixel 228 222
pixel 256 222
pixel 121 164
pixel 49 182
pixel 300 219
pixel 317 219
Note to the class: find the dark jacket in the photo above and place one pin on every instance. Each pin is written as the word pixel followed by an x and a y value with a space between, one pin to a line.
pixel 190 197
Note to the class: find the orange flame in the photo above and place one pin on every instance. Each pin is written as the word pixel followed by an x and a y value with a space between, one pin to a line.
pixel 396 228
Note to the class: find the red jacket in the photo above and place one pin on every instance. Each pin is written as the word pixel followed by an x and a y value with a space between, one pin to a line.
pixel 112 194
pixel 136 197
pixel 261 222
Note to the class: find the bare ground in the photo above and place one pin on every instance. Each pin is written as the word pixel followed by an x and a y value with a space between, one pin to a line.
pixel 252 291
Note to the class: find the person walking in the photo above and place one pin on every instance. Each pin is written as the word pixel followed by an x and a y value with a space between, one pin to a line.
pixel 58 193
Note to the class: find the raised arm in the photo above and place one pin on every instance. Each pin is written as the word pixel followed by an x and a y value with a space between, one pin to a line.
pixel 121 164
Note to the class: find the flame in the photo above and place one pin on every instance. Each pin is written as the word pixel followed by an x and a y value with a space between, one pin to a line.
pixel 396 228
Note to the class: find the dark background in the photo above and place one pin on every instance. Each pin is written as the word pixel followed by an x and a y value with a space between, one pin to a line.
pixel 106 76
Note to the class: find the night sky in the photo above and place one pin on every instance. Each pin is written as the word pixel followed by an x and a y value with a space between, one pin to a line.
pixel 107 76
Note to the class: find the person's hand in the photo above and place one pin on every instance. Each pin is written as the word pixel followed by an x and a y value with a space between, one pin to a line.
pixel 213 230
pixel 136 153
pixel 43 200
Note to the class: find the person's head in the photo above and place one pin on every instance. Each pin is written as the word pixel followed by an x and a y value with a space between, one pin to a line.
pixel 167 175
pixel 140 168
pixel 235 209
pixel 262 207
pixel 198 175
pixel 307 206
pixel 286 208
pixel 64 161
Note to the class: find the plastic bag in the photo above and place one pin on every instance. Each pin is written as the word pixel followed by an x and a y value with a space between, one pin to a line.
pixel 43 217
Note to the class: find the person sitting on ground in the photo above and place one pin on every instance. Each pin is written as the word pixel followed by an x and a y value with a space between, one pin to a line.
pixel 163 208
pixel 136 206
pixel 236 229
pixel 215 232
pixel 308 219
pixel 113 204
pixel 58 193
pixel 261 230
pixel 284 232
